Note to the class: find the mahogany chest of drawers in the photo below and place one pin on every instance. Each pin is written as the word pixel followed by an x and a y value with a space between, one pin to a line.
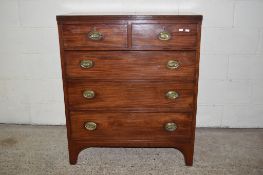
pixel 130 81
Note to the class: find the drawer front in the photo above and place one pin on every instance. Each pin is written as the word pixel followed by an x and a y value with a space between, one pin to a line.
pixel 151 65
pixel 164 36
pixel 130 126
pixel 95 36
pixel 133 95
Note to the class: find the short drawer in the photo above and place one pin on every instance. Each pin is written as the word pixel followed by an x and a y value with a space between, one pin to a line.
pixel 130 126
pixel 164 36
pixel 131 65
pixel 95 36
pixel 130 95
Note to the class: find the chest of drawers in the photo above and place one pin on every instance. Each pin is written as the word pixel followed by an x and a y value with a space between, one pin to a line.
pixel 130 81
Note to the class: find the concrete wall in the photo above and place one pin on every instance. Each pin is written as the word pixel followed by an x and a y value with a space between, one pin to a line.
pixel 231 73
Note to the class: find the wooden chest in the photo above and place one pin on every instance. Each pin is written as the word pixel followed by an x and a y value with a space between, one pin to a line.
pixel 130 81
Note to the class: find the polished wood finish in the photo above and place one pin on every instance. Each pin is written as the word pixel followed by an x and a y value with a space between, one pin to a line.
pixel 130 65
pixel 146 36
pixel 129 95
pixel 113 35
pixel 169 18
pixel 135 126
pixel 130 79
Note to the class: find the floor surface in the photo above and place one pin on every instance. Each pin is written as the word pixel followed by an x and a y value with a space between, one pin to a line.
pixel 42 150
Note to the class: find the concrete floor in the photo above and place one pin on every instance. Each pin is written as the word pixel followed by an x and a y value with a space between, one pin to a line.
pixel 42 150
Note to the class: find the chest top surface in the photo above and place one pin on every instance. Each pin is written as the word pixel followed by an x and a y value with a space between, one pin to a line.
pixel 129 16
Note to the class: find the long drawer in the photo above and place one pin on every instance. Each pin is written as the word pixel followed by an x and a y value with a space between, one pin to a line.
pixel 130 126
pixel 130 65
pixel 130 95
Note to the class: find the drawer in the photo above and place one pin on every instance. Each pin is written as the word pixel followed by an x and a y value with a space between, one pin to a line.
pixel 130 126
pixel 164 36
pixel 95 36
pixel 130 65
pixel 130 95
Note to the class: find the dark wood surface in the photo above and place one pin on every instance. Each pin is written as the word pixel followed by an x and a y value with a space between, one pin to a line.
pixel 79 18
pixel 114 36
pixel 131 65
pixel 133 126
pixel 130 80
pixel 132 95
pixel 146 36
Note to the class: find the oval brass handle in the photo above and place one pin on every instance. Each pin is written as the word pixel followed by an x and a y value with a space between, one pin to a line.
pixel 172 95
pixel 95 35
pixel 86 64
pixel 91 126
pixel 89 94
pixel 164 36
pixel 170 126
pixel 172 64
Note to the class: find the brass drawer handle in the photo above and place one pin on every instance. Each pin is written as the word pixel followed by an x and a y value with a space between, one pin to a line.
pixel 164 36
pixel 172 95
pixel 170 126
pixel 89 94
pixel 95 35
pixel 86 64
pixel 173 64
pixel 91 126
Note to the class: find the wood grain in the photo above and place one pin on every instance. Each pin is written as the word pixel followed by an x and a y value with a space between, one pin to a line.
pixel 76 19
pixel 132 65
pixel 130 126
pixel 146 36
pixel 114 35
pixel 130 80
pixel 132 95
